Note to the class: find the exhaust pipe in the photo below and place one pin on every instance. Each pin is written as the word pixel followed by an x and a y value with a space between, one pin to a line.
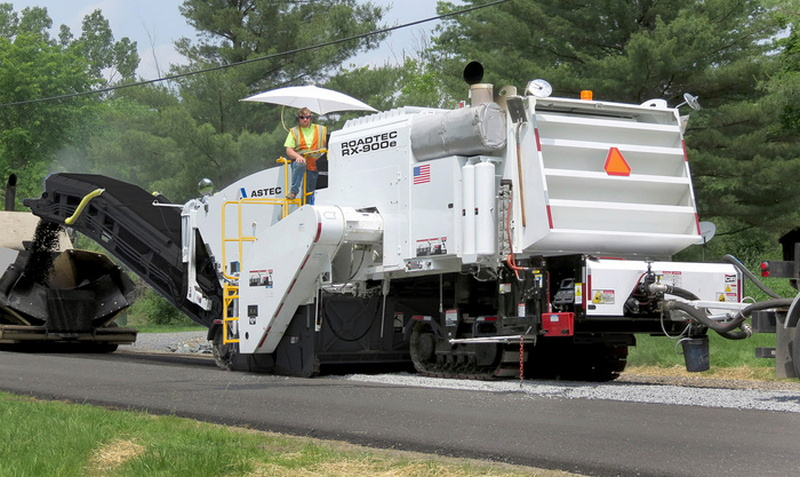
pixel 479 93
pixel 11 191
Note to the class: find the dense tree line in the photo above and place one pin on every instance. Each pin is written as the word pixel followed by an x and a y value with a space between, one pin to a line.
pixel 740 57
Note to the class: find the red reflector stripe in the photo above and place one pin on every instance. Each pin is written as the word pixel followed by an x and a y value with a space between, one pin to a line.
pixel 588 291
pixel 584 292
pixel 266 333
pixel 538 141
pixel 319 232
pixel 549 217
pixel 685 154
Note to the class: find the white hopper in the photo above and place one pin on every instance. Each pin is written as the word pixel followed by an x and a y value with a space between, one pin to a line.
pixel 605 178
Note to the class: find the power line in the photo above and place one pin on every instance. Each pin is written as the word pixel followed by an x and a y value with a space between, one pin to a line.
pixel 254 60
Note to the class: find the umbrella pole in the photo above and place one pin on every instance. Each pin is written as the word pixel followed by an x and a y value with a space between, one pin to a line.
pixel 283 123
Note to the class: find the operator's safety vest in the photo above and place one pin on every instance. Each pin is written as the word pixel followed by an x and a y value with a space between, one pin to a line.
pixel 320 132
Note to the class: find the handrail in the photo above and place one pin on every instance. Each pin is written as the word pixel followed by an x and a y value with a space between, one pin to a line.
pixel 230 293
pixel 231 285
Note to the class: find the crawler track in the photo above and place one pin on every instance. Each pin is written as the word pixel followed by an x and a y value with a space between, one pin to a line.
pixel 484 361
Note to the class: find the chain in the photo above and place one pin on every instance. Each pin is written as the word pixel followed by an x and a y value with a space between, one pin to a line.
pixel 521 360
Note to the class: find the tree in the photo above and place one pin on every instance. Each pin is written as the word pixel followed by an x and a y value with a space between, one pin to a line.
pixel 233 31
pixel 35 67
pixel 207 131
pixel 631 51
pixel 747 152
pixel 105 55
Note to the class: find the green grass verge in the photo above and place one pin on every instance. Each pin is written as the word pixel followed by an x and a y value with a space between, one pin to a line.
pixel 61 439
pixel 662 351
pixel 735 359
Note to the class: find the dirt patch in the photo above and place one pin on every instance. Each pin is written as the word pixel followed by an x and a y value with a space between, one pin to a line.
pixel 728 378
pixel 113 455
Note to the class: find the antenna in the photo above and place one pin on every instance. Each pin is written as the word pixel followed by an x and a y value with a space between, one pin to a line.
pixel 691 101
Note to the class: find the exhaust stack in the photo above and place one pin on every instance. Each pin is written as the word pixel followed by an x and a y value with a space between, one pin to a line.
pixel 479 93
pixel 11 191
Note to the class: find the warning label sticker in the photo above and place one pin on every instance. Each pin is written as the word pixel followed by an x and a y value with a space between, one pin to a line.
pixel 432 246
pixel 451 317
pixel 603 297
pixel 672 278
pixel 731 297
pixel 260 278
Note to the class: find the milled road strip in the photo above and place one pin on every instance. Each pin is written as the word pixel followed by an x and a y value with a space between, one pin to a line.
pixel 782 401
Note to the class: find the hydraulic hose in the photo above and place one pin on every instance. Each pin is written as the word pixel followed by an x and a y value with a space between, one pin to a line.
pixel 673 290
pixel 747 273
pixel 84 202
pixel 726 330
pixel 701 316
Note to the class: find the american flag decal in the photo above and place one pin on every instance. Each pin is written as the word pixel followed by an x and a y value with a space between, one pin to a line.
pixel 422 174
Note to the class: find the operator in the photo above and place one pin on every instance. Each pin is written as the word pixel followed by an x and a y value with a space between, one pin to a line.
pixel 303 144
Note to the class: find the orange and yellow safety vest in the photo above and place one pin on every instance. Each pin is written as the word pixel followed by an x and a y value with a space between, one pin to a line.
pixel 318 142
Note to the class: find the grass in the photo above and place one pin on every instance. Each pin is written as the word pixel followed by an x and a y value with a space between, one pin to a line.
pixel 62 439
pixel 729 359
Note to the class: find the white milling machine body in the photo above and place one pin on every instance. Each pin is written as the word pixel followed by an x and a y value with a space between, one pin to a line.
pixel 456 238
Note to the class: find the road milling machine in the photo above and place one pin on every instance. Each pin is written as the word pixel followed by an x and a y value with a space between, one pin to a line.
pixel 519 235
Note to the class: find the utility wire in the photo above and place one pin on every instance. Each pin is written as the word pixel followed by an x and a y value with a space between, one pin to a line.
pixel 254 60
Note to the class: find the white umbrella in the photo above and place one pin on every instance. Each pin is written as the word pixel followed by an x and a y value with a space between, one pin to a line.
pixel 318 100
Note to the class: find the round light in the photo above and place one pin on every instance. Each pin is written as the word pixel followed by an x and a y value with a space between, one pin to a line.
pixel 205 187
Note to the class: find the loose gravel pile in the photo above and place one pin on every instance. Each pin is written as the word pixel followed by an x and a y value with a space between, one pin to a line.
pixel 682 391
pixel 194 342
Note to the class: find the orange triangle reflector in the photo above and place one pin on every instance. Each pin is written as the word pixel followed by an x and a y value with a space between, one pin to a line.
pixel 616 165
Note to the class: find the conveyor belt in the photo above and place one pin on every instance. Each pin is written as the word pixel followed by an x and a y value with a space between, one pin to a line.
pixel 131 225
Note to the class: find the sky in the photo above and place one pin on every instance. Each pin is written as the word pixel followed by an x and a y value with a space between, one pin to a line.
pixel 155 25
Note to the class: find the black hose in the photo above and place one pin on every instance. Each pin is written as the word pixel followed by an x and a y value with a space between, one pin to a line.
pixel 701 316
pixel 747 273
pixel 765 305
pixel 681 292
pixel 745 333
pixel 726 330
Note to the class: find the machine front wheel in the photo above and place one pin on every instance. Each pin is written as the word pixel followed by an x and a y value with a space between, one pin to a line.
pixel 422 346
pixel 224 353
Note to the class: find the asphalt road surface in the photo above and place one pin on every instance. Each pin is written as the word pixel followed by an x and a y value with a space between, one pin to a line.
pixel 593 437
